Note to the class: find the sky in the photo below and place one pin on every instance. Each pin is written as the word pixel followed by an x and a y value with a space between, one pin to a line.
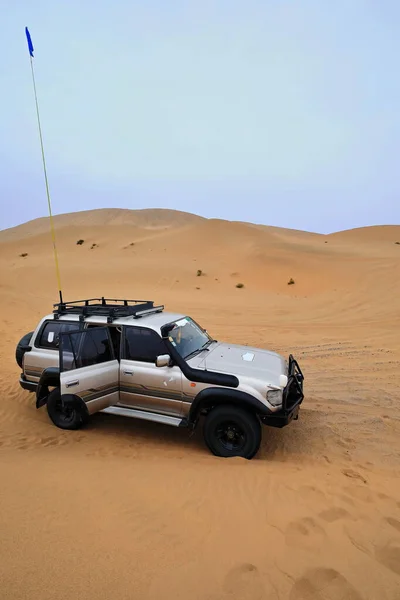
pixel 278 112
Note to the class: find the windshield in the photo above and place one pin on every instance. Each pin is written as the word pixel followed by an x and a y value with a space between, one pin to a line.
pixel 188 337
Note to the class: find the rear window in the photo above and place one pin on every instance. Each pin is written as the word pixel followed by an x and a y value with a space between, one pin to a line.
pixel 50 335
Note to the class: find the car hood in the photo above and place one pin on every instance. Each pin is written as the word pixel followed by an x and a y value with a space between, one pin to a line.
pixel 242 361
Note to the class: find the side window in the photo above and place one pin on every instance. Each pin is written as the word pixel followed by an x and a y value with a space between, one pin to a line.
pixel 85 348
pixel 143 344
pixel 49 337
pixel 95 348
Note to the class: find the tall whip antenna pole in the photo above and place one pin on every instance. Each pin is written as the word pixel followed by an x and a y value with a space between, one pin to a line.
pixel 53 234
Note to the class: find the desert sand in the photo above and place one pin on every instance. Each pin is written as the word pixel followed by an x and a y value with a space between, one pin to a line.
pixel 131 510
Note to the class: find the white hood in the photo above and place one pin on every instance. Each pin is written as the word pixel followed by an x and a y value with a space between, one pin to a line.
pixel 243 361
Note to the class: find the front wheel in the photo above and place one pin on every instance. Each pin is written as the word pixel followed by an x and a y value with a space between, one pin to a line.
pixel 63 415
pixel 231 431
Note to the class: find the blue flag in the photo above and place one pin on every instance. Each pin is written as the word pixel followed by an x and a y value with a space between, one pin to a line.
pixel 30 45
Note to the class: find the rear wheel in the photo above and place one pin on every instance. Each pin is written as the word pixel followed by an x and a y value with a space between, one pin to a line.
pixel 64 416
pixel 231 431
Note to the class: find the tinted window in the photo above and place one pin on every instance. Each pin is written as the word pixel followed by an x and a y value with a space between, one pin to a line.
pixel 86 348
pixel 68 361
pixel 51 331
pixel 143 344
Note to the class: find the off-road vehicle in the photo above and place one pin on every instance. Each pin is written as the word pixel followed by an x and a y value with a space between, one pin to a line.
pixel 131 358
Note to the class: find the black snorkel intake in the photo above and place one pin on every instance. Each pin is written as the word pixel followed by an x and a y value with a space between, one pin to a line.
pixel 196 375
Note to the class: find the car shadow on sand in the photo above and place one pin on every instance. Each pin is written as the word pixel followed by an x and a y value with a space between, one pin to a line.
pixel 139 432
pixel 300 438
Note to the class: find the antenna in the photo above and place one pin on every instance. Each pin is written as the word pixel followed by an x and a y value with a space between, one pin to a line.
pixel 53 235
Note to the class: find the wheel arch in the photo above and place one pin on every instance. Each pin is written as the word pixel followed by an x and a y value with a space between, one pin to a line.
pixel 210 397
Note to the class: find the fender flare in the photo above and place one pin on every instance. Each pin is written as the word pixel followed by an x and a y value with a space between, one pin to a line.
pixel 49 377
pixel 216 396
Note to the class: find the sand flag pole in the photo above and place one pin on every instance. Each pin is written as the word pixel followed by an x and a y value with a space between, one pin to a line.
pixel 53 235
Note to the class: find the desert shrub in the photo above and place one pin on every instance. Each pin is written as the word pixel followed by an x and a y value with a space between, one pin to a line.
pixel 80 242
pixel 240 285
pixel 291 282
pixel 24 254
pixel 93 246
pixel 199 272
pixel 398 243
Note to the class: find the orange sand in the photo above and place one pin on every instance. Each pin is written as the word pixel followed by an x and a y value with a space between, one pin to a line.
pixel 132 510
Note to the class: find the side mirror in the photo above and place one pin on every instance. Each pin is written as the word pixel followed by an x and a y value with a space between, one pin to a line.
pixel 163 361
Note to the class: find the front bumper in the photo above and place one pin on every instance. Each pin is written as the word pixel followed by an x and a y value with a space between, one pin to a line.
pixel 31 386
pixel 293 396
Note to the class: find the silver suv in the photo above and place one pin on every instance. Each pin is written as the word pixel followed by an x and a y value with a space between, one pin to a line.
pixel 131 358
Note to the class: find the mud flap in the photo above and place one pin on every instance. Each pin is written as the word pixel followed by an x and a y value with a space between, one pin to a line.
pixel 41 401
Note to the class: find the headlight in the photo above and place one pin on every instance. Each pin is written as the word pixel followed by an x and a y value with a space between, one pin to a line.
pixel 274 397
pixel 283 380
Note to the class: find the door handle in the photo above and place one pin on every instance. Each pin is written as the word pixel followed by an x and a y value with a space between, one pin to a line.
pixel 128 372
pixel 72 383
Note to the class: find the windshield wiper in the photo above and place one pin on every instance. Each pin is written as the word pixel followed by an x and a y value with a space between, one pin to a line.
pixel 203 347
pixel 206 344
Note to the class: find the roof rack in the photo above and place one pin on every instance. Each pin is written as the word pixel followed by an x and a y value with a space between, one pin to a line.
pixel 111 308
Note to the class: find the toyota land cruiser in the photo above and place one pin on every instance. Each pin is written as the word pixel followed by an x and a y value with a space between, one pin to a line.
pixel 131 358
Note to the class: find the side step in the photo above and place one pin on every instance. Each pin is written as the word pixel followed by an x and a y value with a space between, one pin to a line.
pixel 145 416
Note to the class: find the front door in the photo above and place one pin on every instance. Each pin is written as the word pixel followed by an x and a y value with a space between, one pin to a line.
pixel 88 368
pixel 144 386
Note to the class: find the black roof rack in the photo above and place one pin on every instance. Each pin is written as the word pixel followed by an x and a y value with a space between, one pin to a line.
pixel 111 308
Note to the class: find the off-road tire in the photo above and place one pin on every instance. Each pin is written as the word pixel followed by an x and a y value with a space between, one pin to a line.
pixel 232 431
pixel 19 352
pixel 67 417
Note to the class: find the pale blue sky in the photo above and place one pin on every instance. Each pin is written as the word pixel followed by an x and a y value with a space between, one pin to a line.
pixel 281 112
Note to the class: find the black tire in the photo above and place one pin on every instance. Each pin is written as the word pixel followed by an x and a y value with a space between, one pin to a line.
pixel 19 352
pixel 231 431
pixel 65 417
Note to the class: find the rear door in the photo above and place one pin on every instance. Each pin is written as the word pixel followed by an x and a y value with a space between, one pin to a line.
pixel 88 367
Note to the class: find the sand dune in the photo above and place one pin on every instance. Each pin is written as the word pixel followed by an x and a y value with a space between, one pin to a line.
pixel 145 218
pixel 378 233
pixel 134 510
